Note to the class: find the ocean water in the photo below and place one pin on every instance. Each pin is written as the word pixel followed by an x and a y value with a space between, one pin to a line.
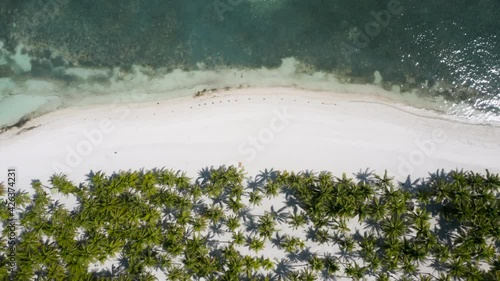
pixel 443 55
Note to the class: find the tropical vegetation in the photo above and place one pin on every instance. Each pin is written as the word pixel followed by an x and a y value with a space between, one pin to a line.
pixel 278 225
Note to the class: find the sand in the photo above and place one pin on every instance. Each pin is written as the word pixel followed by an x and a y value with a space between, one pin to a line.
pixel 280 128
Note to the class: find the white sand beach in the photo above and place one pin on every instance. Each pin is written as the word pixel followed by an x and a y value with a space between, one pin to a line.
pixel 280 128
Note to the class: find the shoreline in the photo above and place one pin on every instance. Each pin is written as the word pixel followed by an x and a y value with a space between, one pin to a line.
pixel 339 132
pixel 26 123
pixel 46 96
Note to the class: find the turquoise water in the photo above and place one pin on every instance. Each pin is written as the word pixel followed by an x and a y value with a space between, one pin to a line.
pixel 67 52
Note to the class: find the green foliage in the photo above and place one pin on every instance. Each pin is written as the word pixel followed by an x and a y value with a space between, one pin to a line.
pixel 161 219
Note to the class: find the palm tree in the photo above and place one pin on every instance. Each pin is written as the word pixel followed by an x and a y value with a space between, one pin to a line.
pixel 3 190
pixel 292 244
pixel 422 277
pixel 22 199
pixel 384 276
pixel 457 268
pixel 395 247
pixel 354 271
pixel 266 226
pixel 365 191
pixel 232 223
pixel 394 227
pixel 442 253
pixel 238 238
pixel 383 183
pixel 367 244
pixel 48 252
pixel 376 209
pixel 234 261
pixel 409 267
pixel 443 277
pixel 307 275
pixel 374 262
pixel 178 274
pixel 293 276
pixel 56 271
pixel 95 180
pixel 255 197
pixel 184 217
pixel 235 205
pixel 330 264
pixel 271 189
pixel 61 183
pixel 250 265
pixel 112 245
pixel 4 211
pixel 266 263
pixel 346 245
pixel 215 214
pixel 421 221
pixel 322 236
pixel 255 244
pixel 297 219
pixel 315 263
pixel 199 223
pixel 341 225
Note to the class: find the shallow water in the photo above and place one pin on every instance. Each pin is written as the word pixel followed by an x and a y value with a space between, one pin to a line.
pixel 437 54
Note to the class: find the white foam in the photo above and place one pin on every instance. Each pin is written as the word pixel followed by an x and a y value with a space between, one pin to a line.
pixel 22 61
pixel 161 84
pixel 7 86
pixel 85 73
pixel 377 78
pixel 40 87
pixel 13 108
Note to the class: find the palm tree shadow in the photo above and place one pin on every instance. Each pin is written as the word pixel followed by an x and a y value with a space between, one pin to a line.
pixel 245 213
pixel 440 175
pixel 220 200
pixel 55 205
pixel 309 173
pixel 305 254
pixel 199 206
pixel 123 262
pixel 436 265
pixel 409 185
pixel 216 230
pixel 279 215
pixel 251 226
pixel 373 225
pixel 292 202
pixel 204 176
pixel 112 273
pixel 293 256
pixel 366 176
pixel 278 240
pixel 253 185
pixel 357 236
pixel 265 176
pixel 283 268
pixel 311 234
pixel 302 255
pixel 444 230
